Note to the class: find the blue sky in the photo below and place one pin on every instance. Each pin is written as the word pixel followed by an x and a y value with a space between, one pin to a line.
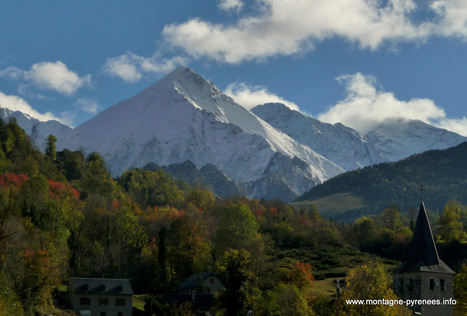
pixel 359 62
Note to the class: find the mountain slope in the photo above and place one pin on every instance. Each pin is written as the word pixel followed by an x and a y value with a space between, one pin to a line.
pixel 398 139
pixel 208 176
pixel 184 117
pixel 443 174
pixel 37 130
pixel 340 144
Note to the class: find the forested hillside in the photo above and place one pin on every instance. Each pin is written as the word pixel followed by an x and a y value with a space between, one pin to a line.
pixel 62 215
pixel 442 173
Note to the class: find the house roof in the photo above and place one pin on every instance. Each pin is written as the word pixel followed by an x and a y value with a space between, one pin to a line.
pixel 423 255
pixel 100 286
pixel 193 280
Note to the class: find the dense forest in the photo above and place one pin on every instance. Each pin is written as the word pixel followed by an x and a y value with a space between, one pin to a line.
pixel 62 215
pixel 442 173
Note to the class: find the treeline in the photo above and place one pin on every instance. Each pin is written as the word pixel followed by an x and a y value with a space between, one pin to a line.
pixel 63 215
pixel 441 172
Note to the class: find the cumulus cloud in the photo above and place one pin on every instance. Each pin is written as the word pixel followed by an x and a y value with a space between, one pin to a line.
pixel 249 97
pixel 54 76
pixel 228 5
pixel 366 105
pixel 87 105
pixel 289 27
pixel 16 103
pixel 131 67
pixel 452 17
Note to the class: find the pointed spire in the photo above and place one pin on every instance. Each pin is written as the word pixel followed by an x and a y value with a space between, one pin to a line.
pixel 423 255
pixel 423 247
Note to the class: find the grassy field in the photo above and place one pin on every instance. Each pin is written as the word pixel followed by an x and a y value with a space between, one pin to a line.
pixel 333 205
pixel 329 263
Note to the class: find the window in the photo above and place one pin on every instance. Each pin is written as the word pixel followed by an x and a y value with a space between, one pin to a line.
pixel 84 301
pixel 212 280
pixel 103 301
pixel 401 285
pixel 410 284
pixel 432 284
pixel 442 284
pixel 120 302
pixel 103 314
pixel 120 314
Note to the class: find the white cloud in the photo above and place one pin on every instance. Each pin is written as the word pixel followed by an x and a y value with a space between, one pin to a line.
pixel 228 5
pixel 123 67
pixel 131 67
pixel 16 103
pixel 458 126
pixel 56 76
pixel 87 105
pixel 249 97
pixel 290 27
pixel 47 75
pixel 366 105
pixel 11 73
pixel 295 26
pixel 453 17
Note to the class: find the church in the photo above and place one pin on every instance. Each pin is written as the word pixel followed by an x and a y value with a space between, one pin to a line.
pixel 423 275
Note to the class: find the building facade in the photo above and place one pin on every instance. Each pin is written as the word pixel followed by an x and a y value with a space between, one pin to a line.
pixel 101 297
pixel 206 282
pixel 423 275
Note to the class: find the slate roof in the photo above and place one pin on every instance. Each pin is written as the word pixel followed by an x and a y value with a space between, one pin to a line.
pixel 423 255
pixel 101 286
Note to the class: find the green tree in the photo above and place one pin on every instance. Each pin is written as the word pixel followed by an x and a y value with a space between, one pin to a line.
pixel 73 163
pixel 96 179
pixel 237 228
pixel 391 219
pixel 370 281
pixel 200 198
pixel 153 188
pixel 449 224
pixel 51 148
pixel 188 250
pixel 287 300
pixel 236 264
pixel 365 229
pixel 460 291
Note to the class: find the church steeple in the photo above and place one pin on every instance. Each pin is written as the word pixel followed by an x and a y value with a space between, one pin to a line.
pixel 423 275
pixel 423 255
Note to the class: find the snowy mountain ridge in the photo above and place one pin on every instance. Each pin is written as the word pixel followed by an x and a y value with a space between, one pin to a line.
pixel 340 144
pixel 398 137
pixel 37 130
pixel 270 152
pixel 184 117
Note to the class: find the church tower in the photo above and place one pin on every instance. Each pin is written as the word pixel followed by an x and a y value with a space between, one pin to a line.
pixel 423 275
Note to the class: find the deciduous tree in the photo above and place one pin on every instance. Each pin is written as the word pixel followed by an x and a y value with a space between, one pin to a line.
pixel 460 291
pixel 370 282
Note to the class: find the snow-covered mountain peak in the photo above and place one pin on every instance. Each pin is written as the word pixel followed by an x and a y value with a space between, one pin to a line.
pixel 185 117
pixel 338 143
pixel 400 138
pixel 201 93
pixel 38 130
